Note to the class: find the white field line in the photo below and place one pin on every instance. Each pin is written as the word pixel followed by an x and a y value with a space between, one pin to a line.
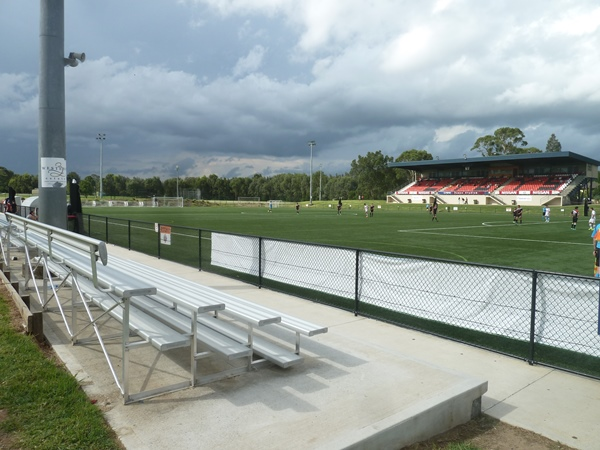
pixel 490 224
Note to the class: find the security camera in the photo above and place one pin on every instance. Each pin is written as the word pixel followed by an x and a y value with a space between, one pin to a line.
pixel 73 58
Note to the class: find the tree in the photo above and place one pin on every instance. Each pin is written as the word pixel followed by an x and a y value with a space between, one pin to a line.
pixel 553 144
pixel 5 176
pixel 340 186
pixel 504 141
pixel 136 187
pixel 529 150
pixel 114 185
pixel 402 175
pixel 414 155
pixel 23 184
pixel 154 187
pixel 89 185
pixel 372 174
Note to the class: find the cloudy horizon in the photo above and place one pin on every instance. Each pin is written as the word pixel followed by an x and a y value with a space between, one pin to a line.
pixel 238 87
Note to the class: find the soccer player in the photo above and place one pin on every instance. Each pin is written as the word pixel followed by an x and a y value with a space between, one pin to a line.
pixel 434 210
pixel 518 214
pixel 574 218
pixel 297 208
pixel 592 221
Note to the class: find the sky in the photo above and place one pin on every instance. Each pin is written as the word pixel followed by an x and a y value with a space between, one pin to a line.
pixel 239 87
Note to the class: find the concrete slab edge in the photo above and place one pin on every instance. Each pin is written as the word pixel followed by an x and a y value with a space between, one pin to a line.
pixel 419 422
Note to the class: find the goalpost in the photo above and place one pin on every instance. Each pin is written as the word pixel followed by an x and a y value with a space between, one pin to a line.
pixel 167 202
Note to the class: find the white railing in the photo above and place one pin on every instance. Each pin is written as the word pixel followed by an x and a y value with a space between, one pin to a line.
pixel 95 248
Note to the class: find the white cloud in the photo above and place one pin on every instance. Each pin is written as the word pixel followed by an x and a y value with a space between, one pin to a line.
pixel 408 51
pixel 251 62
pixel 578 22
pixel 445 134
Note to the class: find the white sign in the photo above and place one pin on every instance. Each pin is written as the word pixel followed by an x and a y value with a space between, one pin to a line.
pixel 54 173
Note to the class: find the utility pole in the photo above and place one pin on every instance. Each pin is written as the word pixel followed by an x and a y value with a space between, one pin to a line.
pixel 320 178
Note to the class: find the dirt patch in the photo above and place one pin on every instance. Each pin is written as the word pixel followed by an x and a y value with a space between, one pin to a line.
pixel 487 433
pixel 6 440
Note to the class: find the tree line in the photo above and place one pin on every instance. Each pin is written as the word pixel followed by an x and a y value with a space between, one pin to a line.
pixel 368 177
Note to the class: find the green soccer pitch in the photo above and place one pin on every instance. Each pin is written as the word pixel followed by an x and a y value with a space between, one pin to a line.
pixel 473 233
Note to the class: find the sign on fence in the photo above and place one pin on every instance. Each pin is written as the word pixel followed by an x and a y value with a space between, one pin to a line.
pixel 165 234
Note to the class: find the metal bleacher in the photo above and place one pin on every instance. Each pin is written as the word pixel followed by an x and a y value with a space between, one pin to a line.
pixel 152 307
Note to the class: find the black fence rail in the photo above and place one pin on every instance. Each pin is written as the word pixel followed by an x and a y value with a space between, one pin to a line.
pixel 540 317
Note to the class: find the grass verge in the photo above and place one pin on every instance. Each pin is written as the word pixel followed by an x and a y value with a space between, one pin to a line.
pixel 41 405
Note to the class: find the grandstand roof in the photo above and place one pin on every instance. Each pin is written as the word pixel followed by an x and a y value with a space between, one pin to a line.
pixel 546 158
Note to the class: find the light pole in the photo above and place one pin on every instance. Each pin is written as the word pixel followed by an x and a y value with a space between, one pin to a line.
pixel 52 148
pixel 101 137
pixel 311 144
pixel 177 170
pixel 320 177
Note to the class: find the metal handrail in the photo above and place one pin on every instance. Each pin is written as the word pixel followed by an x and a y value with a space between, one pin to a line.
pixel 95 248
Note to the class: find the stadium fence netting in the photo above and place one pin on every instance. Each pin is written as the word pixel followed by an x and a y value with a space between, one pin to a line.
pixel 544 318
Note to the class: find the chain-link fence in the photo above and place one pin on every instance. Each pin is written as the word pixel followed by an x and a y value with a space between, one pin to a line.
pixel 541 317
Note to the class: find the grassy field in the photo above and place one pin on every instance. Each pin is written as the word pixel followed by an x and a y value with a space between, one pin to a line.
pixel 41 404
pixel 473 233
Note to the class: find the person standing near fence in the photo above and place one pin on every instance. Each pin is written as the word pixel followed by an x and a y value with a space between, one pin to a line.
pixel 596 241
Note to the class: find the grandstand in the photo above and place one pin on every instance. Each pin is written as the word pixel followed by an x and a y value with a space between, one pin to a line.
pixel 557 178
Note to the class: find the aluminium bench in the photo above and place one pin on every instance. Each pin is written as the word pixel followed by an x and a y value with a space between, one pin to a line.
pixel 246 318
pixel 160 307
pixel 63 256
pixel 235 306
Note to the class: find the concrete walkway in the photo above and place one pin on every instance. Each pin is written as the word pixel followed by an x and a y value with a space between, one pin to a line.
pixel 361 378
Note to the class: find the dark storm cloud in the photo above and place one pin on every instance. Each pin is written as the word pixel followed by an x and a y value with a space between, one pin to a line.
pixel 237 88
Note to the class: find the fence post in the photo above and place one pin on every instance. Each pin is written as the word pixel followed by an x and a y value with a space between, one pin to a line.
pixel 106 228
pixel 533 315
pixel 199 249
pixel 158 241
pixel 260 246
pixel 356 300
